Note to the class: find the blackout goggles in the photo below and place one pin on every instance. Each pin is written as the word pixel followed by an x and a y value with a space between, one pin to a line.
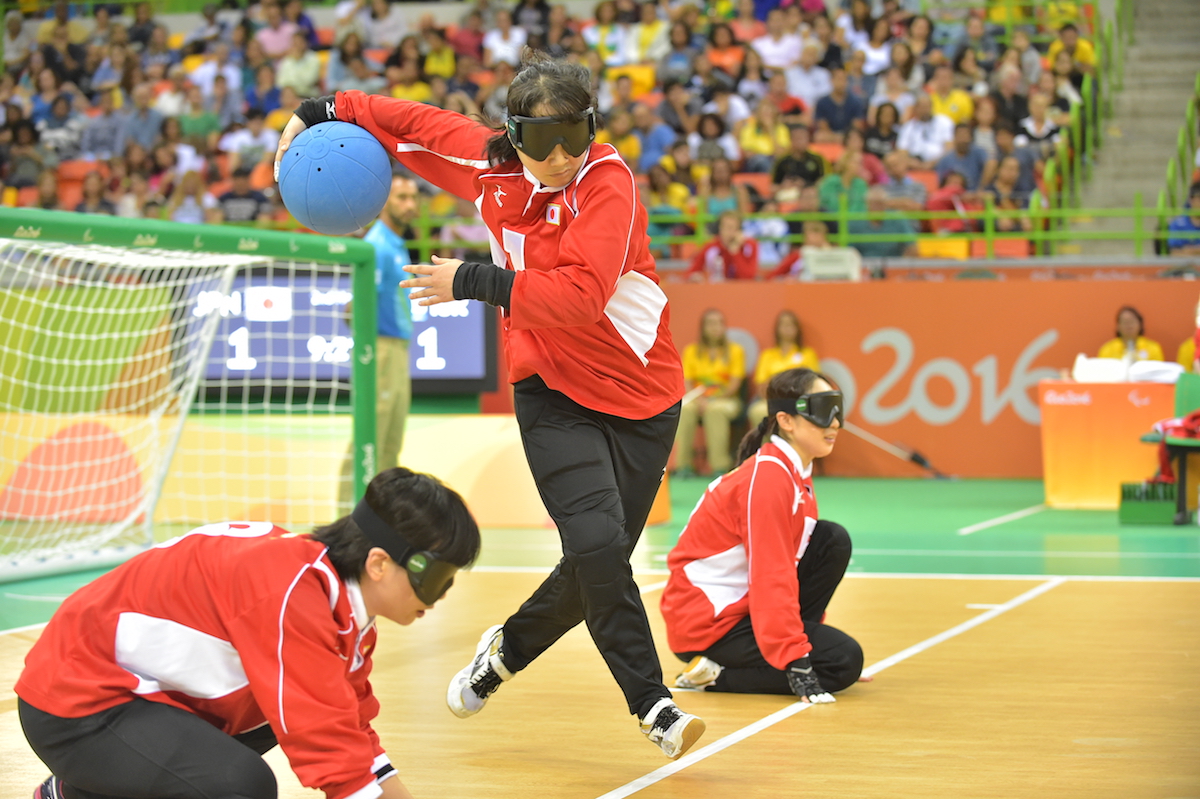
pixel 820 408
pixel 538 136
pixel 430 576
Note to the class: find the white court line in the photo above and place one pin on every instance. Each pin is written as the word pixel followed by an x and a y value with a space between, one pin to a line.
pixel 981 605
pixel 1094 578
pixel 1008 517
pixel 647 589
pixel 791 710
pixel 35 597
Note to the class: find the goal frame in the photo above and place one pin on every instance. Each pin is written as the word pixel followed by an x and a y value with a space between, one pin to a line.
pixel 134 234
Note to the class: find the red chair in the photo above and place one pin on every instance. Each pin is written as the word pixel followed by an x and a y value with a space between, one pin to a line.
pixel 78 170
pixel 220 187
pixel 27 197
pixel 759 181
pixel 1003 248
pixel 70 194
pixel 830 151
pixel 926 177
pixel 325 37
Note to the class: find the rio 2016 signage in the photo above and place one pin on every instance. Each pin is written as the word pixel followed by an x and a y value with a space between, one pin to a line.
pixel 1017 394
pixel 949 368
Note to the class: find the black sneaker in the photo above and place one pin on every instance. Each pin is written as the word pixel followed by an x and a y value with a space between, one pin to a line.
pixel 471 687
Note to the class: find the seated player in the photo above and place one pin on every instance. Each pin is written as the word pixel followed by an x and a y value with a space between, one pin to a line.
pixel 171 674
pixel 746 611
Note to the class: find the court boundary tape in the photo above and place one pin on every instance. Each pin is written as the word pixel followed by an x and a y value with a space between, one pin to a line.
pixel 738 736
pixel 1005 519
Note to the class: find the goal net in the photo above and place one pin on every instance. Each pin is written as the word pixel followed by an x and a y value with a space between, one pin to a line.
pixel 157 376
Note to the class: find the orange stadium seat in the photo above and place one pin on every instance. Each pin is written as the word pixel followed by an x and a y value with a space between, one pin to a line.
pixel 263 175
pixel 379 54
pixel 759 181
pixel 27 197
pixel 70 193
pixel 830 151
pixel 1003 248
pixel 957 249
pixel 325 37
pixel 78 170
pixel 220 187
pixel 926 177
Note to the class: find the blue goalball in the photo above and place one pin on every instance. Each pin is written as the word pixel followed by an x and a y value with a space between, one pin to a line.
pixel 335 178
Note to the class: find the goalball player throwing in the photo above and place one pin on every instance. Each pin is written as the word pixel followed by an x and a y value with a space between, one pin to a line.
pixel 167 677
pixel 597 379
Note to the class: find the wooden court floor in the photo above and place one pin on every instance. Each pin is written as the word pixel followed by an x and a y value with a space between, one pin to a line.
pixel 984 687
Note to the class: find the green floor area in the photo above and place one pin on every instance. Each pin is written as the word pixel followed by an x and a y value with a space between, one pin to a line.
pixel 898 526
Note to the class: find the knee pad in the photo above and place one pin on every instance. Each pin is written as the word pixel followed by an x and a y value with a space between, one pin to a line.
pixel 595 544
pixel 843 666
pixel 837 539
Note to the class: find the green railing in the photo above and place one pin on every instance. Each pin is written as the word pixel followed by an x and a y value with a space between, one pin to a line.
pixel 1048 228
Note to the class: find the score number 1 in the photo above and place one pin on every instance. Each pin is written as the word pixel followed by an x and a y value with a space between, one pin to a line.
pixel 429 360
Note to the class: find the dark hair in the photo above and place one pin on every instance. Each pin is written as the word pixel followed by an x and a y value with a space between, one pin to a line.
pixel 1004 125
pixel 799 330
pixel 560 86
pixel 712 33
pixel 962 125
pixel 895 114
pixel 961 56
pixel 711 118
pixel 790 384
pixel 1070 26
pixel 430 516
pixel 950 174
pixel 1134 311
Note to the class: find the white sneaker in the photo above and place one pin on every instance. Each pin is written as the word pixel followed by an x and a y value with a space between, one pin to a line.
pixel 673 730
pixel 471 687
pixel 700 673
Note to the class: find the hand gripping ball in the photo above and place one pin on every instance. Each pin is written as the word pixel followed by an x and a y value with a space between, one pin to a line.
pixel 335 178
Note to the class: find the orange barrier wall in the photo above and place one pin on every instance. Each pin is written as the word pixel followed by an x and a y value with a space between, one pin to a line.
pixel 948 368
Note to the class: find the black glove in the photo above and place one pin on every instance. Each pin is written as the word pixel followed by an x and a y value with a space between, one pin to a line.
pixel 805 685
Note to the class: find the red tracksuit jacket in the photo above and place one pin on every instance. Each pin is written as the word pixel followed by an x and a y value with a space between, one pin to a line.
pixel 587 313
pixel 240 623
pixel 737 555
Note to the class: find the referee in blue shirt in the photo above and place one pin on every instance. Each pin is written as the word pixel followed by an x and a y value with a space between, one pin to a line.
pixel 393 386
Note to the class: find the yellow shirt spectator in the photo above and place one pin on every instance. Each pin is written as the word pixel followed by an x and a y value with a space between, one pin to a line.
pixel 755 140
pixel 440 62
pixel 418 92
pixel 1085 53
pixel 629 146
pixel 676 196
pixel 1145 349
pixel 715 373
pixel 957 105
pixel 779 359
pixel 1186 356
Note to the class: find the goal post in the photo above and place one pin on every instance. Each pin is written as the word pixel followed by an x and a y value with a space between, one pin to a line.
pixel 156 375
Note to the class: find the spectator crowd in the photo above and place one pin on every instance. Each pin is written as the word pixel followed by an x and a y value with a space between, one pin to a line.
pixel 725 107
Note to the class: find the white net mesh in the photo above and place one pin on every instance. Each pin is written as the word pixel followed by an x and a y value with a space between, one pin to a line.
pixel 99 354
pixel 271 425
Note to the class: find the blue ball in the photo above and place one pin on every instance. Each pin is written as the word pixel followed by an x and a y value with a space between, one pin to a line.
pixel 335 178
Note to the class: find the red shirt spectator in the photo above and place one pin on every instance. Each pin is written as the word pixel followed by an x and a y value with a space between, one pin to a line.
pixel 729 256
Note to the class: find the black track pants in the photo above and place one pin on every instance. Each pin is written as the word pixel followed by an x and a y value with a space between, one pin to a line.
pixel 597 476
pixel 148 750
pixel 836 657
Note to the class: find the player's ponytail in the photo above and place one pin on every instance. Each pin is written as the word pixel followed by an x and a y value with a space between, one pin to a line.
pixel 791 384
pixel 542 84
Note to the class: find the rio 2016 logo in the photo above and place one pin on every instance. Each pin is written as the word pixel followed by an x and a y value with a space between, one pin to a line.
pixel 993 398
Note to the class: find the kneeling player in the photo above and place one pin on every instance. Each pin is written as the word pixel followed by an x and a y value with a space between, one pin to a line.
pixel 754 569
pixel 169 676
